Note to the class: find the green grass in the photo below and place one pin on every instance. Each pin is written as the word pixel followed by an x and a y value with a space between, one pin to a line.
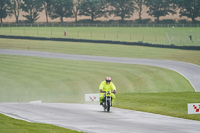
pixel 158 35
pixel 10 125
pixel 191 56
pixel 171 104
pixel 26 79
pixel 142 88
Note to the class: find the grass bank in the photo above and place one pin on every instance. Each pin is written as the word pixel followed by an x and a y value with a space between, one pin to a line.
pixel 171 104
pixel 26 79
pixel 191 56
pixel 10 125
pixel 156 35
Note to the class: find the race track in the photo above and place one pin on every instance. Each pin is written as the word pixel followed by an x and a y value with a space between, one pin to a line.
pixel 91 118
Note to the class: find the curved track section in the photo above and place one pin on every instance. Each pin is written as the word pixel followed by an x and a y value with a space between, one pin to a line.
pixel 90 118
pixel 188 70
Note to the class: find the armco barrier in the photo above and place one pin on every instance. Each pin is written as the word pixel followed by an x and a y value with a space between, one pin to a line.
pixel 93 25
pixel 103 41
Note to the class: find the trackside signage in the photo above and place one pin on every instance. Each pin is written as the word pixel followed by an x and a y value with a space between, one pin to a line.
pixel 194 108
pixel 92 97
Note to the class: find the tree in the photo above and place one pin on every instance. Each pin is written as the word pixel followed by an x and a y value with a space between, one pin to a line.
pixel 47 4
pixel 15 8
pixel 140 4
pixel 158 8
pixel 122 8
pixel 61 9
pixel 76 8
pixel 189 8
pixel 93 8
pixel 4 9
pixel 32 7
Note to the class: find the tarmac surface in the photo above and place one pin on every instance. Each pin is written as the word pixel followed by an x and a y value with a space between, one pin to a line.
pixel 92 118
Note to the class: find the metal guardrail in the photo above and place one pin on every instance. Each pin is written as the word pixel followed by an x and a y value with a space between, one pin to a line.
pixel 93 25
pixel 103 41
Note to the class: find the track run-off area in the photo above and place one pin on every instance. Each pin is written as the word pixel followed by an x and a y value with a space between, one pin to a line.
pixel 91 118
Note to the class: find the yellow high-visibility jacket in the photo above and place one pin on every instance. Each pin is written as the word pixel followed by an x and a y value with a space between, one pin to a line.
pixel 107 87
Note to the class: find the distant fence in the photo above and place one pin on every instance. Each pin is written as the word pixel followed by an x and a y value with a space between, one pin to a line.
pixel 103 41
pixel 93 25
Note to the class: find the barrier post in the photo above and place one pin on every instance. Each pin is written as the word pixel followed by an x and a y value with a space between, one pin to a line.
pixel 65 33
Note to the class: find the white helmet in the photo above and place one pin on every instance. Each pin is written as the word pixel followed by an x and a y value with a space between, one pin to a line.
pixel 108 79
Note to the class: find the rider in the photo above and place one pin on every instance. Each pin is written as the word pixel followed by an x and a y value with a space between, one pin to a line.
pixel 107 85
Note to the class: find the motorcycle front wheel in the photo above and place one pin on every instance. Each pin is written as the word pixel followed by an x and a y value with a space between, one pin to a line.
pixel 108 105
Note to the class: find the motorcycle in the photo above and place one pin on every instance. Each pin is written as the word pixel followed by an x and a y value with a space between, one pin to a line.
pixel 107 101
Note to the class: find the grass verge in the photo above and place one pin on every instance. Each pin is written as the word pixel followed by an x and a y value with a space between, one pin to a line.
pixel 158 35
pixel 11 125
pixel 171 104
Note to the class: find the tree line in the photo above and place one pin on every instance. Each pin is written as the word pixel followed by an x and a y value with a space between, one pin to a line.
pixel 97 8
